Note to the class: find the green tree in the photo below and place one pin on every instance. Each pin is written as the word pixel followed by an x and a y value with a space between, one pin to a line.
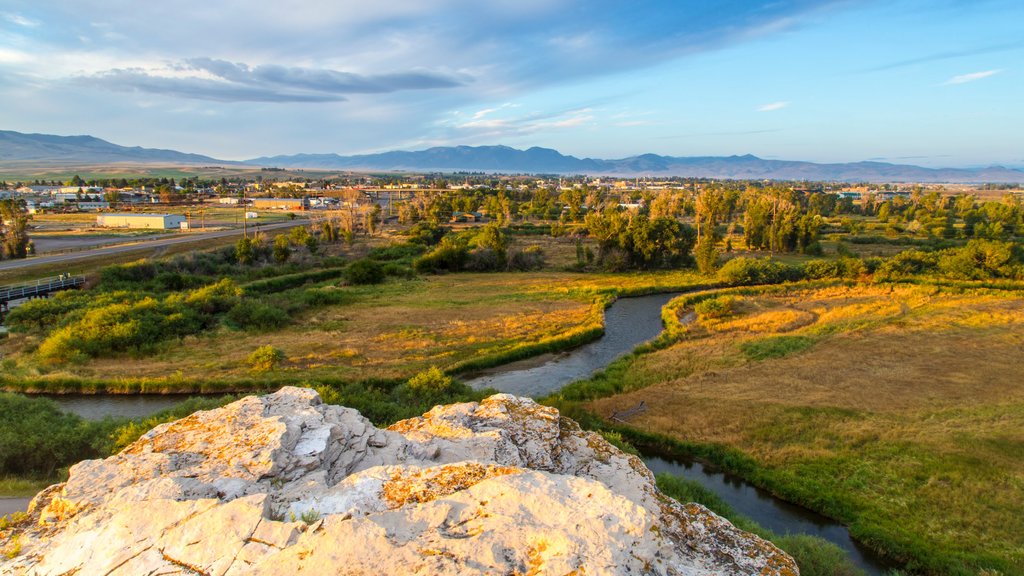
pixel 282 248
pixel 14 241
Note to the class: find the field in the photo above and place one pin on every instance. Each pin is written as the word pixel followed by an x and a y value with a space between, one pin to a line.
pixel 384 331
pixel 897 409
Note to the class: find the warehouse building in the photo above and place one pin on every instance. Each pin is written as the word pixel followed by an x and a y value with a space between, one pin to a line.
pixel 150 221
pixel 280 203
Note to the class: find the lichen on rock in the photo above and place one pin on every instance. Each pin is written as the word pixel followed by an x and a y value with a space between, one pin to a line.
pixel 282 483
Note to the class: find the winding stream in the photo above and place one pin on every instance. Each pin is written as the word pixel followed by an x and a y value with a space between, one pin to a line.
pixel 629 322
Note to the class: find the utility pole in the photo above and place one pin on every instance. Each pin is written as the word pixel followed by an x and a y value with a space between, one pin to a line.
pixel 245 233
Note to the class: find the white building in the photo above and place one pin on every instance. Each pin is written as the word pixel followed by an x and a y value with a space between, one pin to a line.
pixel 150 221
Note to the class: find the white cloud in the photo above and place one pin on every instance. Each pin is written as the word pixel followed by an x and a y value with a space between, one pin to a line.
pixel 772 106
pixel 21 20
pixel 965 78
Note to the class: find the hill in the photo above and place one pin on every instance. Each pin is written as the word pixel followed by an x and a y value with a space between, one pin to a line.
pixel 19 148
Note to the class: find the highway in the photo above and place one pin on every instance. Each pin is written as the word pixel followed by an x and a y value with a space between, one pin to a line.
pixel 185 238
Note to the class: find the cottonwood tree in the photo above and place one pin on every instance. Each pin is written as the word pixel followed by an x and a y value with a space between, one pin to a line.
pixel 14 241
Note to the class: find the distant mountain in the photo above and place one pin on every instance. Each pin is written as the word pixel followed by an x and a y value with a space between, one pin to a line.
pixel 547 161
pixel 18 148
pixel 44 149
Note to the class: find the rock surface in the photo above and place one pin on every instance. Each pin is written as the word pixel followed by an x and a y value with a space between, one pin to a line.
pixel 284 484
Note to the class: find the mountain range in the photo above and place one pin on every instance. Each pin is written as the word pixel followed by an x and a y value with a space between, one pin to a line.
pixel 21 149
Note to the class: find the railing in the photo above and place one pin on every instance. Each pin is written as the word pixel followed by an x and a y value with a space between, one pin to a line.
pixel 40 287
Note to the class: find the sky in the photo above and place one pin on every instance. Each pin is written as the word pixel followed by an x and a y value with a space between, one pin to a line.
pixel 927 82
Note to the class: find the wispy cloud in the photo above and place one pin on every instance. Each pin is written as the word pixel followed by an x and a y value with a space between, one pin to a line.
pixel 223 81
pixel 965 78
pixel 772 106
pixel 949 55
pixel 20 20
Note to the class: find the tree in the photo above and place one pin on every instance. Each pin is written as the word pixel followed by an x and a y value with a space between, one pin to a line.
pixel 14 241
pixel 282 248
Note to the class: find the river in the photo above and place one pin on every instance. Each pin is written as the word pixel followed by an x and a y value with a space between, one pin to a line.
pixel 629 322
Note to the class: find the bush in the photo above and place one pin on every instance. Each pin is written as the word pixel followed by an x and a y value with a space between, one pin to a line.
pixel 285 282
pixel 751 271
pixel 426 233
pixel 449 256
pixel 396 252
pixel 484 260
pixel 255 315
pixel 720 307
pixel 328 296
pixel 364 271
pixel 980 260
pixel 842 268
pixel 525 260
pixel 37 438
pixel 265 358
pixel 906 264
pixel 431 380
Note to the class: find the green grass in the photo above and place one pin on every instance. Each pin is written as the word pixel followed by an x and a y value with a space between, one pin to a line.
pixel 775 347
pixel 815 556
pixel 24 487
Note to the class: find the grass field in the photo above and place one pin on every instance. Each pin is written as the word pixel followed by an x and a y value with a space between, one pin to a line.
pixel 385 331
pixel 897 409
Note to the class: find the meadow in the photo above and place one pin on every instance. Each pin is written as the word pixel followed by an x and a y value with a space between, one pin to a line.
pixel 896 408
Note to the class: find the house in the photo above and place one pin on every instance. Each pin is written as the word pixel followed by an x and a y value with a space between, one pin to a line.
pixel 467 217
pixel 144 221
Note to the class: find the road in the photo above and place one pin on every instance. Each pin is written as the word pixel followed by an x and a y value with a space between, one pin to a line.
pixel 186 238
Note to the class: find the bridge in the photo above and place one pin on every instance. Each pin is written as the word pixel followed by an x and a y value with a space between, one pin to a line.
pixel 38 289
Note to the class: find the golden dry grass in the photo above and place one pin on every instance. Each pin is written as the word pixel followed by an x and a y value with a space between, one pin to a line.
pixel 908 407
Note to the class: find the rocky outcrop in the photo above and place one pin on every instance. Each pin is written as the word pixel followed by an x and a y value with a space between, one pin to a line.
pixel 284 484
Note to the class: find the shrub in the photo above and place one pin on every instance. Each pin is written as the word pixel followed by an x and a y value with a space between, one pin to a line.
pixel 328 296
pixel 364 271
pixel 906 264
pixel 37 437
pixel 426 233
pixel 265 358
pixel 750 271
pixel 484 260
pixel 525 260
pixel 449 256
pixel 396 252
pixel 842 268
pixel 980 260
pixel 720 307
pixel 256 316
pixel 431 380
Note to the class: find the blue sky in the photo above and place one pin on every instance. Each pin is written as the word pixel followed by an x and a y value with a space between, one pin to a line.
pixel 935 83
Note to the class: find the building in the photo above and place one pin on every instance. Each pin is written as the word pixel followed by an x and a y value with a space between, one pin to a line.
pixel 280 203
pixel 149 221
pixel 94 206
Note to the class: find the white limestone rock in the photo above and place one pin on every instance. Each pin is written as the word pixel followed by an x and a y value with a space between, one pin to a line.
pixel 282 484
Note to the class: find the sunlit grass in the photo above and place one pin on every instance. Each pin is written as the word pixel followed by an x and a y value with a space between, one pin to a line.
pixel 899 409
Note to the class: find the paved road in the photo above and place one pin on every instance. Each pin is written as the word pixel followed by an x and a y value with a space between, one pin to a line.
pixel 186 238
